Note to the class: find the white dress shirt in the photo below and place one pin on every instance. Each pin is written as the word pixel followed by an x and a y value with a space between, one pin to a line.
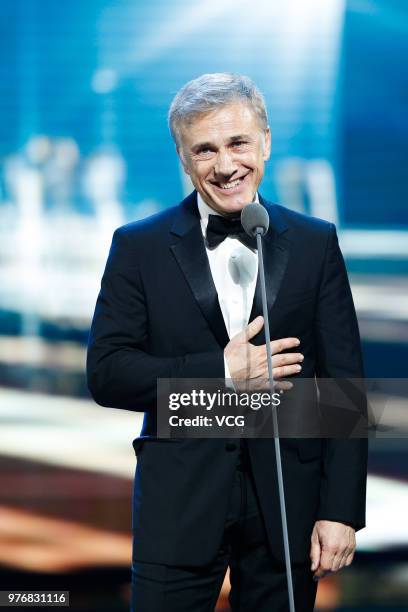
pixel 234 268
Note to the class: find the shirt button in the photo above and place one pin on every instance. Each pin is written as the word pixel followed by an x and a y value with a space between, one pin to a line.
pixel 230 446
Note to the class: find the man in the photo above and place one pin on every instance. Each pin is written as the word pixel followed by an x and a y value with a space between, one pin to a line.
pixel 180 299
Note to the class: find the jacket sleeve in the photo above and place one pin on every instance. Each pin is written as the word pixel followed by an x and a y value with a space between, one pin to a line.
pixel 120 372
pixel 343 489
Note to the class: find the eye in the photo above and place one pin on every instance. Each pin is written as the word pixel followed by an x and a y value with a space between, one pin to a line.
pixel 239 143
pixel 204 153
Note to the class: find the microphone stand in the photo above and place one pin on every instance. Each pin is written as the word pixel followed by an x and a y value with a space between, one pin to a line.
pixel 259 233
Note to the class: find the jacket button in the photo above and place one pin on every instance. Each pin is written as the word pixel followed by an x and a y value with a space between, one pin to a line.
pixel 230 446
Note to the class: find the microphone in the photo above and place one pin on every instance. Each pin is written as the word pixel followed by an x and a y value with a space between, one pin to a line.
pixel 255 221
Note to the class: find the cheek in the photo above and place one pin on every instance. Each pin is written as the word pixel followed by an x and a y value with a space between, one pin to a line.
pixel 206 175
pixel 252 160
pixel 260 163
pixel 196 175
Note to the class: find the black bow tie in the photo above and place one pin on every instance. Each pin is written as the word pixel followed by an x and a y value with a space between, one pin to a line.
pixel 219 228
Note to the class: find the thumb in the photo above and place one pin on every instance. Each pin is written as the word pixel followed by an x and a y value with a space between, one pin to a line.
pixel 254 327
pixel 315 554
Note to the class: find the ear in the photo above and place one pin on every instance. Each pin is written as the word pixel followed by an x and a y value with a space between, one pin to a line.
pixel 182 159
pixel 267 144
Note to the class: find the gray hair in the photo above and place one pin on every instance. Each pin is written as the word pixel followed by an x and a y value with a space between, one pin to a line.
pixel 210 91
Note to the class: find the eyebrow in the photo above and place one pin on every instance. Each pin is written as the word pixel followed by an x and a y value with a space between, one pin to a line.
pixel 209 145
pixel 240 137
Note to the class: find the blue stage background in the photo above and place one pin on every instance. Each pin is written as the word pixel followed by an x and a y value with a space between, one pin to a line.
pixel 84 148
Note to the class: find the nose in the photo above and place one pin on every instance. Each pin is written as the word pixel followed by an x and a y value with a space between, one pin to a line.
pixel 224 164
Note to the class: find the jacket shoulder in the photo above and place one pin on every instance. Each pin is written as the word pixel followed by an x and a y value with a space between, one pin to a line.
pixel 149 226
pixel 301 221
pixel 301 226
pixel 157 225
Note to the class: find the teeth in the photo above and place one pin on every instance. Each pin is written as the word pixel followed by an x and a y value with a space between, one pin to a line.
pixel 231 184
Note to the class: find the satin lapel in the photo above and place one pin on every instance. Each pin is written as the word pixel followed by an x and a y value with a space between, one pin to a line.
pixel 276 251
pixel 189 251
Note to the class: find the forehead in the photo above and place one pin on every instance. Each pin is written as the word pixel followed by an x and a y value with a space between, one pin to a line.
pixel 220 124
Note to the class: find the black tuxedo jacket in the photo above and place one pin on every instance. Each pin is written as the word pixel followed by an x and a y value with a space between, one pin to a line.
pixel 157 315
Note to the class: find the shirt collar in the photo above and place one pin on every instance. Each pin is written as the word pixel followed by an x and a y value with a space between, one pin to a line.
pixel 206 210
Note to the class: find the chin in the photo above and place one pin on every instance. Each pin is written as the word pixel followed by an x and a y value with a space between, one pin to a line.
pixel 234 203
pixel 230 207
pixel 237 204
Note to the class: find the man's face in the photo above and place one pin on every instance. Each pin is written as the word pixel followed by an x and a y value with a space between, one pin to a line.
pixel 224 152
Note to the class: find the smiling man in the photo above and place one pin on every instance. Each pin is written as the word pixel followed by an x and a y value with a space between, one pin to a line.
pixel 224 152
pixel 180 298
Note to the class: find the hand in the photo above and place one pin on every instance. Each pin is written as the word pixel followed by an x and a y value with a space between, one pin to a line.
pixel 247 362
pixel 332 547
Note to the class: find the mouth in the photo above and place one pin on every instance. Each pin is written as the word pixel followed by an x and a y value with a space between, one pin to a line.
pixel 230 187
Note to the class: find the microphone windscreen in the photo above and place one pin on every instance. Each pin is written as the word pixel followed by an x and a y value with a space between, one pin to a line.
pixel 254 216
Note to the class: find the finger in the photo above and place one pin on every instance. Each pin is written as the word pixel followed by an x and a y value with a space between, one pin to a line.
pixel 338 561
pixel 326 559
pixel 283 385
pixel 287 359
pixel 263 384
pixel 252 329
pixel 288 370
pixel 343 559
pixel 349 550
pixel 350 558
pixel 277 346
